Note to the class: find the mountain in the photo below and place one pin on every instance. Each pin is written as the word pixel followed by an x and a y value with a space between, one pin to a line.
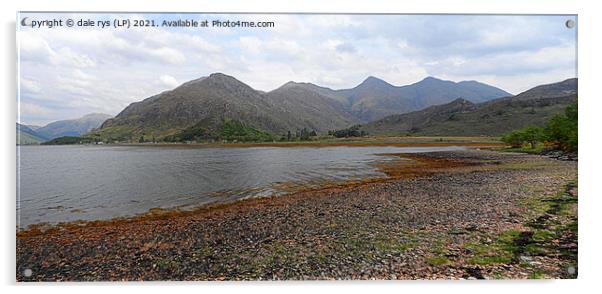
pixel 562 89
pixel 28 136
pixel 204 105
pixel 72 127
pixel 304 105
pixel 207 103
pixel 495 117
pixel 374 98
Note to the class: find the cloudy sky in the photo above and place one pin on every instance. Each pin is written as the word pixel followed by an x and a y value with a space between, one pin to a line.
pixel 68 72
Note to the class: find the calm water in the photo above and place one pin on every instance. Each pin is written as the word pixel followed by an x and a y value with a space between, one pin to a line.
pixel 66 183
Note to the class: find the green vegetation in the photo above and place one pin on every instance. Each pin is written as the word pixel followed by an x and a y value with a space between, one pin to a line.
pixel 122 133
pixel 194 133
pixel 501 250
pixel 537 275
pixel 235 130
pixel 230 130
pixel 530 134
pixel 318 140
pixel 68 140
pixel 300 135
pixel 550 231
pixel 353 131
pixel 438 260
pixel 166 264
pixel 560 131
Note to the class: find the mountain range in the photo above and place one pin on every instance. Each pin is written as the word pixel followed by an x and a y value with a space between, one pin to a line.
pixel 374 98
pixel 209 106
pixel 72 127
pixel 492 118
pixel 206 103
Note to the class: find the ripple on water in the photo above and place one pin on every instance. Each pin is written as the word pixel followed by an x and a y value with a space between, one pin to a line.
pixel 103 182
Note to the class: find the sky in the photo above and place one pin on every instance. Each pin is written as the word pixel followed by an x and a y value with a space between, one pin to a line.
pixel 67 72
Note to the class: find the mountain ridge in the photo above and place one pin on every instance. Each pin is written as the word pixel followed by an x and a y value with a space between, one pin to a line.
pixel 375 98
pixel 206 103
pixel 495 117
pixel 70 127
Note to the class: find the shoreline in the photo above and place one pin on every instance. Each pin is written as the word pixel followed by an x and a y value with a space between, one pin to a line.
pixel 415 166
pixel 400 221
pixel 426 141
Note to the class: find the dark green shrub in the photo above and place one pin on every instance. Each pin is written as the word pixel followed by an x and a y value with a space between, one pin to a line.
pixel 562 129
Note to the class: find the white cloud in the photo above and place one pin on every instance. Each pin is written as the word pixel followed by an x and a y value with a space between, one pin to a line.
pixel 66 56
pixel 167 54
pixel 32 109
pixel 169 81
pixel 403 44
pixel 547 60
pixel 35 48
pixel 251 44
pixel 29 86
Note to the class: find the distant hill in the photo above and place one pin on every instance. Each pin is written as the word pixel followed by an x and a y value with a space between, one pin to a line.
pixel 374 98
pixel 72 127
pixel 496 117
pixel 27 136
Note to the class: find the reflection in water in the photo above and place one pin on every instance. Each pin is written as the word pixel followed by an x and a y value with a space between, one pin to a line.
pixel 66 183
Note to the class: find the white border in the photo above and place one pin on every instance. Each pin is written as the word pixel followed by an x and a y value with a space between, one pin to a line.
pixel 589 110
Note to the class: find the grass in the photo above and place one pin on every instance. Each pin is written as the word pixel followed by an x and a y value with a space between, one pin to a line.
pixel 500 250
pixel 165 264
pixel 535 206
pixel 536 239
pixel 544 235
pixel 392 245
pixel 360 242
pixel 488 260
pixel 537 275
pixel 438 260
pixel 202 253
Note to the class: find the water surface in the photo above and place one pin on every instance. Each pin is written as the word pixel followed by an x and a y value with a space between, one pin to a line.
pixel 67 183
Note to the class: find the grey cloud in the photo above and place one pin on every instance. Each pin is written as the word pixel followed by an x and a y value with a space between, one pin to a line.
pixel 346 48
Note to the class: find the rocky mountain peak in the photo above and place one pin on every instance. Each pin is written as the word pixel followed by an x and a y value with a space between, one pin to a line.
pixel 372 81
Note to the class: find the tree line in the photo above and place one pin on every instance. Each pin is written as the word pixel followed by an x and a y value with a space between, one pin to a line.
pixel 560 132
pixel 353 131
